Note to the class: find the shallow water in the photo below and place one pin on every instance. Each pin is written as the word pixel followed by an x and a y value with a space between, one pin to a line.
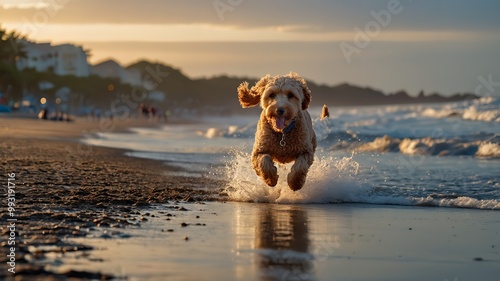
pixel 444 155
pixel 394 160
pixel 249 241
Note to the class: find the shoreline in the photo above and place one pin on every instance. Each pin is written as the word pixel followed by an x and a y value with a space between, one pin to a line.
pixel 63 130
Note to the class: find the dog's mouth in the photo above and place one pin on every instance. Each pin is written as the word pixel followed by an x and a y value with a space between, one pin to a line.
pixel 279 122
pixel 279 118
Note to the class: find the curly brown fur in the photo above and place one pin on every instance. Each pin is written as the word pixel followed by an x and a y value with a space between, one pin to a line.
pixel 283 99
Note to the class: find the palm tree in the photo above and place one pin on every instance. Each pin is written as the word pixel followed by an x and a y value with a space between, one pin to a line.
pixel 11 50
pixel 11 46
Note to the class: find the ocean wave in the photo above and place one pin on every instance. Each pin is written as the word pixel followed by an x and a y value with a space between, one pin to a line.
pixel 403 129
pixel 483 145
pixel 430 146
pixel 459 202
pixel 485 109
pixel 488 150
pixel 330 180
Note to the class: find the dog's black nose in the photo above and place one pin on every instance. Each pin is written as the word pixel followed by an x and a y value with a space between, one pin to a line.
pixel 280 111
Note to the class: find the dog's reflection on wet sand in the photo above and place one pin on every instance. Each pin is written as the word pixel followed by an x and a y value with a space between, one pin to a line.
pixel 282 237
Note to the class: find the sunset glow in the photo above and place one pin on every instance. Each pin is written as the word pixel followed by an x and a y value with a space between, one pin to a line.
pixel 450 43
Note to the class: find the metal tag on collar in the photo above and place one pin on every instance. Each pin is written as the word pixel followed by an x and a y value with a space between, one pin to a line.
pixel 286 130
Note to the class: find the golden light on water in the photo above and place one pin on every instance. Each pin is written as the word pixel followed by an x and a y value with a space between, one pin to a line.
pixel 43 100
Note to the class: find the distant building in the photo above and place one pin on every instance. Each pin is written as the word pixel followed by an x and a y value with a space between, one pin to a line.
pixel 112 69
pixel 39 56
pixel 71 60
pixel 65 59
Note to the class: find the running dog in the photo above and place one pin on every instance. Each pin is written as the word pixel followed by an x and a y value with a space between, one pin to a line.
pixel 285 130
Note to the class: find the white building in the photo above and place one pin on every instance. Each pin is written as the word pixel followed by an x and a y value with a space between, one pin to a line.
pixel 65 59
pixel 71 60
pixel 112 69
pixel 40 57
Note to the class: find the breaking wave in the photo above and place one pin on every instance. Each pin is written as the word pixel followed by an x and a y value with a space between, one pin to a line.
pixel 330 180
pixel 484 109
pixel 488 148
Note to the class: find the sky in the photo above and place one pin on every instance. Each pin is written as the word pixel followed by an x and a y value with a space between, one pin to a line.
pixel 437 46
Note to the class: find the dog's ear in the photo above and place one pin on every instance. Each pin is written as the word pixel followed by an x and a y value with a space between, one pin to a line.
pixel 307 96
pixel 246 97
pixel 305 90
pixel 251 97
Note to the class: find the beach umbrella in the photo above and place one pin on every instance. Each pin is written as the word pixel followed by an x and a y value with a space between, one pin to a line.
pixel 4 109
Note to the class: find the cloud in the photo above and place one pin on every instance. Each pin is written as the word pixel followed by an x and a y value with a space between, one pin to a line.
pixel 23 4
pixel 289 15
pixel 442 45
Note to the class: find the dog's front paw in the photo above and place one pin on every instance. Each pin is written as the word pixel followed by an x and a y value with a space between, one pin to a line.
pixel 271 176
pixel 296 180
pixel 268 171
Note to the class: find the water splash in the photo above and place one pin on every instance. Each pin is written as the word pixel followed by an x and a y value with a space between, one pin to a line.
pixel 329 180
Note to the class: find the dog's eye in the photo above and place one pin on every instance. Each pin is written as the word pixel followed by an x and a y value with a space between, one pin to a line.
pixel 272 96
pixel 290 96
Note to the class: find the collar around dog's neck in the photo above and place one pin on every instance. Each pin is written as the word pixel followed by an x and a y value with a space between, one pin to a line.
pixel 286 131
pixel 290 126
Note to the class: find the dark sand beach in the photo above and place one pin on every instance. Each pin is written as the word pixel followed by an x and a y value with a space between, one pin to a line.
pixel 91 213
pixel 64 189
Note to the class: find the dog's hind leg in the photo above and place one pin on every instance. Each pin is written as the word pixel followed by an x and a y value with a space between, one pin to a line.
pixel 264 167
pixel 297 176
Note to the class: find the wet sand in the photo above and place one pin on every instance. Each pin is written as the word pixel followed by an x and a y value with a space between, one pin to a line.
pixel 254 241
pixel 66 189
pixel 91 213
